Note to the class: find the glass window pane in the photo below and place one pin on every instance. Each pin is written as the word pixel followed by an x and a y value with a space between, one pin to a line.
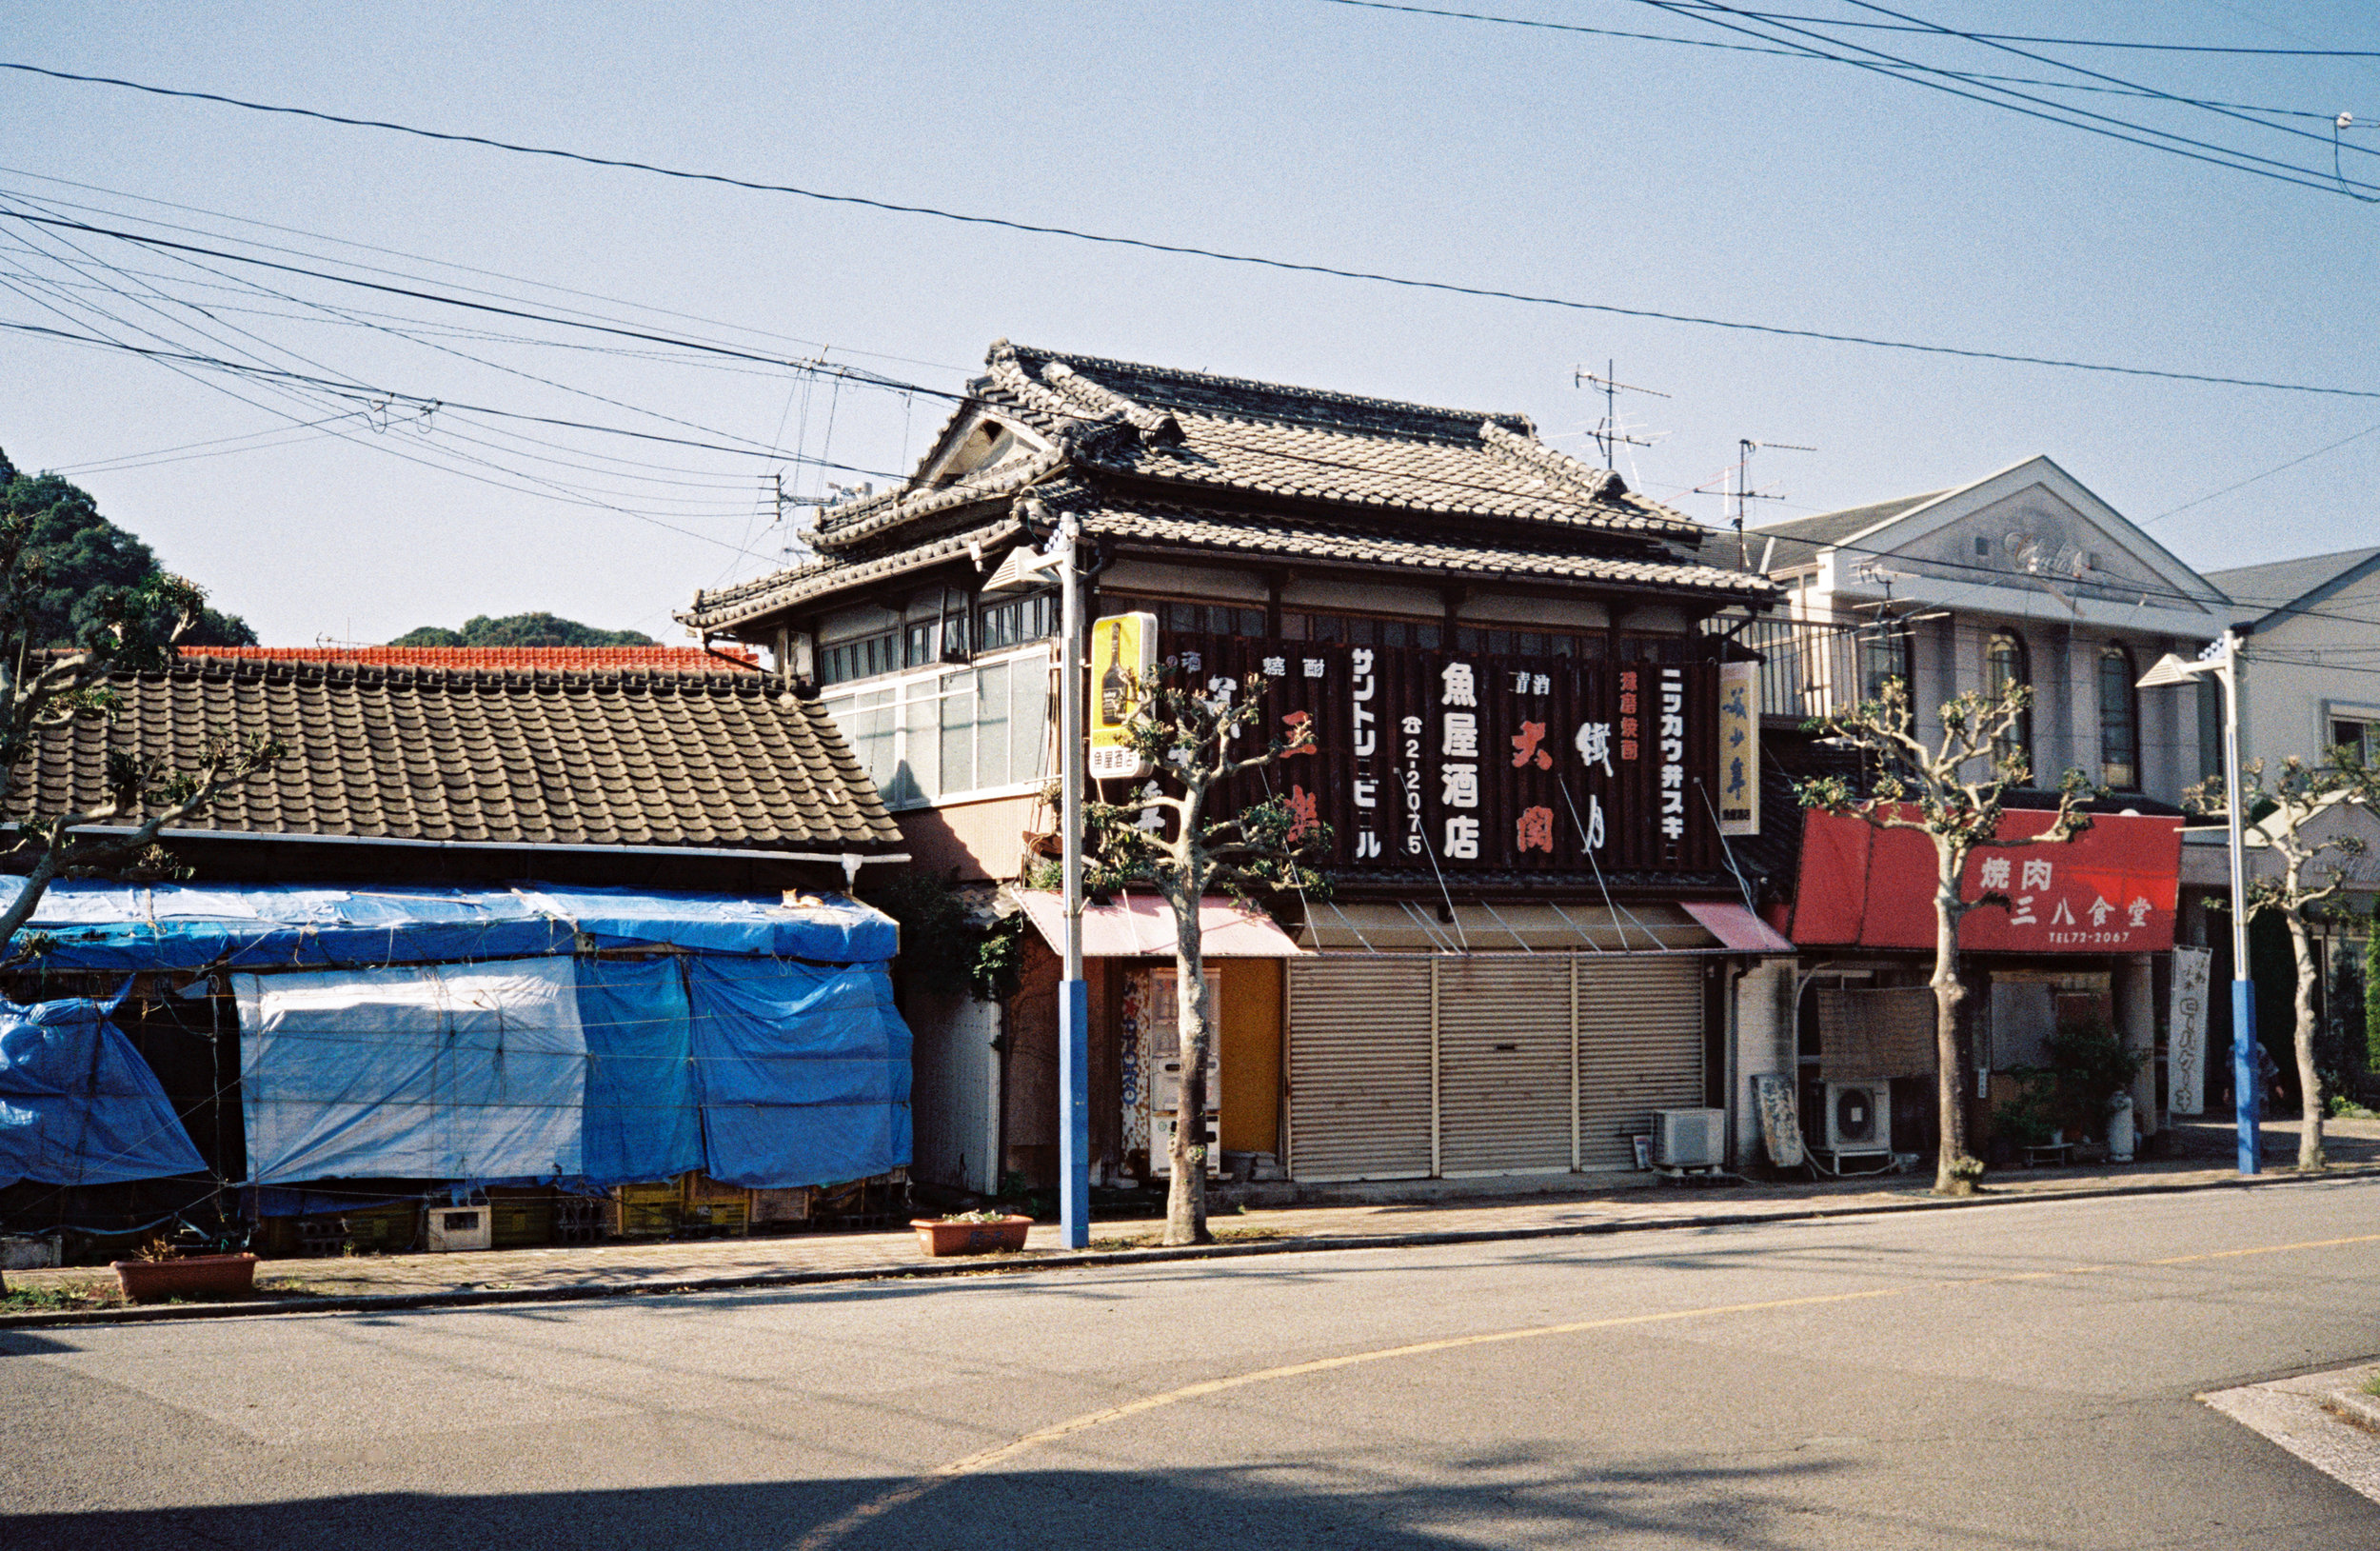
pixel 956 764
pixel 1028 721
pixel 991 726
pixel 921 749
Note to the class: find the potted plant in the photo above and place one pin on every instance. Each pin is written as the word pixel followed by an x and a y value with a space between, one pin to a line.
pixel 162 1272
pixel 971 1233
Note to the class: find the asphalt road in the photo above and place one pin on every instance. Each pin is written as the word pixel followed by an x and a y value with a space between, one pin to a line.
pixel 2017 1376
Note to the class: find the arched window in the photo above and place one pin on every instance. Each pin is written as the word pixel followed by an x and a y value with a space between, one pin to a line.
pixel 2005 666
pixel 2119 721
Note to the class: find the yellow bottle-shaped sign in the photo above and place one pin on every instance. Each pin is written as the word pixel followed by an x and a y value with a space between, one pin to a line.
pixel 1124 658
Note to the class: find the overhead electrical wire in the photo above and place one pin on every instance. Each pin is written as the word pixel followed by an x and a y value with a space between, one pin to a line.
pixel 2008 99
pixel 1192 250
pixel 1799 52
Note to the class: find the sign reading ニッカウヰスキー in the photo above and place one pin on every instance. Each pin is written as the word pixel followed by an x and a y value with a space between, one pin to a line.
pixel 1466 763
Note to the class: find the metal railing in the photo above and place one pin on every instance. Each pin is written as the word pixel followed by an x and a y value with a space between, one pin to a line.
pixel 1810 667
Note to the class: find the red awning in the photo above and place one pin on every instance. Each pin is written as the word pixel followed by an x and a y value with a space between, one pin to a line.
pixel 1141 927
pixel 2110 889
pixel 1737 927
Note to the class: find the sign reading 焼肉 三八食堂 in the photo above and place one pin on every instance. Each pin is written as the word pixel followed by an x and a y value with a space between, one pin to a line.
pixel 1461 762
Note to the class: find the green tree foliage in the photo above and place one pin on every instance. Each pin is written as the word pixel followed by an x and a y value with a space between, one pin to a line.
pixel 79 565
pixel 522 630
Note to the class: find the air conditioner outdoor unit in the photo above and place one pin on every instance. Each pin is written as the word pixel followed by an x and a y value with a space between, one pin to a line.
pixel 1858 1117
pixel 459 1228
pixel 1689 1138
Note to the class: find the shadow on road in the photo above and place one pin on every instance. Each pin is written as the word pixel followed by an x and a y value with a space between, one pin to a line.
pixel 1510 1500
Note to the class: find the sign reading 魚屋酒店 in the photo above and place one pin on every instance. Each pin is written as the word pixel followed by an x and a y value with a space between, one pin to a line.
pixel 1466 761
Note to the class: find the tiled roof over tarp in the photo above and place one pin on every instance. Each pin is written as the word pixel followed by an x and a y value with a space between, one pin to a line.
pixel 651 759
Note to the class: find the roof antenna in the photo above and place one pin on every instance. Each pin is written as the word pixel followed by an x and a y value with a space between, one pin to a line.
pixel 1608 435
pixel 1743 492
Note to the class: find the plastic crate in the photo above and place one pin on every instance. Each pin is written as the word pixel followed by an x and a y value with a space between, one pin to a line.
pixel 645 1211
pixel 783 1208
pixel 520 1216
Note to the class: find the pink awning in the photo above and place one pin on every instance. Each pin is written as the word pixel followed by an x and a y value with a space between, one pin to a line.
pixel 1737 927
pixel 1140 927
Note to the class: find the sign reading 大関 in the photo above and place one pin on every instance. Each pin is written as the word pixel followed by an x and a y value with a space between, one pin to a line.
pixel 1464 762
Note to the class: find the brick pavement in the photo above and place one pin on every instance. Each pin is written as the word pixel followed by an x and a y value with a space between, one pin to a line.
pixel 2201 1160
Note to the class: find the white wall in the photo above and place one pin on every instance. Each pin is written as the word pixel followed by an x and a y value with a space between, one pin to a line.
pixel 953 1092
pixel 1764 1044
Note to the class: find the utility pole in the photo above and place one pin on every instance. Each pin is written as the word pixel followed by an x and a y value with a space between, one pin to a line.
pixel 1608 433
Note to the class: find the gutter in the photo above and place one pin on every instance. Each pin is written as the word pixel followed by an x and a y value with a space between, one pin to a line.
pixel 852 862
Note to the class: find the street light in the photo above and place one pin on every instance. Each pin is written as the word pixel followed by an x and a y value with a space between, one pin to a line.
pixel 1022 570
pixel 2221 663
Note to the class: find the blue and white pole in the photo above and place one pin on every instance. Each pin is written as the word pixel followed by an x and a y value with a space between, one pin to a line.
pixel 1074 997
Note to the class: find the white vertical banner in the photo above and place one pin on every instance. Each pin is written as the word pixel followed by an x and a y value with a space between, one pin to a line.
pixel 1739 748
pixel 2186 1036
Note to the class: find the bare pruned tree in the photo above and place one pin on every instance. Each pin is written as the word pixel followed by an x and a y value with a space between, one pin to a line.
pixel 1164 839
pixel 1952 790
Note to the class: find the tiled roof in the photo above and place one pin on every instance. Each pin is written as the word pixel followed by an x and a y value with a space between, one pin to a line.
pixel 1800 539
pixel 1355 542
pixel 1265 439
pixel 542 659
pixel 1198 461
pixel 728 607
pixel 2277 584
pixel 704 759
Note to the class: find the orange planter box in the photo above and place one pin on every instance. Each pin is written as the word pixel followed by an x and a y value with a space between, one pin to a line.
pixel 939 1238
pixel 193 1276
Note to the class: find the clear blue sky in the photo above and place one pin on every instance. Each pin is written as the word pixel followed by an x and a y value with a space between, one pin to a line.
pixel 1644 174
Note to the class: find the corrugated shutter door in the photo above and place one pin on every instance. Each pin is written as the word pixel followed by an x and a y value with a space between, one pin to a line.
pixel 1639 1050
pixel 1503 1042
pixel 1360 1074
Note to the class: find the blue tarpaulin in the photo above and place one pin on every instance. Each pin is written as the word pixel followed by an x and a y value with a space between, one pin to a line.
pixel 104 926
pixel 442 1072
pixel 78 1106
pixel 804 1071
pixel 642 1119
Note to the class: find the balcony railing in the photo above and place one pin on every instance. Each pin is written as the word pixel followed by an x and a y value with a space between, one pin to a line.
pixel 1812 668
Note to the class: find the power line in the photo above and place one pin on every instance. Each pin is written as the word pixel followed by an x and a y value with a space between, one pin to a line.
pixel 2076 43
pixel 1894 66
pixel 1189 250
pixel 2267 474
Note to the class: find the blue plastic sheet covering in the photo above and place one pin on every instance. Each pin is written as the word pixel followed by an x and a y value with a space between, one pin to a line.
pixel 830 928
pixel 804 1071
pixel 78 1106
pixel 453 1071
pixel 102 926
pixel 641 1117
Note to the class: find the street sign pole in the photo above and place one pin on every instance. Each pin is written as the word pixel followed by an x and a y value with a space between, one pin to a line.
pixel 2222 664
pixel 1074 1003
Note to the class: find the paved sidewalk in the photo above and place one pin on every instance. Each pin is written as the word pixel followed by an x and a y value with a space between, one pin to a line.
pixel 2202 1161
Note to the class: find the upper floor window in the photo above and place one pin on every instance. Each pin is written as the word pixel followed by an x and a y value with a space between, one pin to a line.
pixel 2119 721
pixel 932 626
pixel 2005 666
pixel 1884 654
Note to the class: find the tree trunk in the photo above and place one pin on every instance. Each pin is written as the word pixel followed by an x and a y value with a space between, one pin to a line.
pixel 2309 1080
pixel 1950 993
pixel 1185 1193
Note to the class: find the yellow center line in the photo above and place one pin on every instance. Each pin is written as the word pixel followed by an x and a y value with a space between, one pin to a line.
pixel 839 1529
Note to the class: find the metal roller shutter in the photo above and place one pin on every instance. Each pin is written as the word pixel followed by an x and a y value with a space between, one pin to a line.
pixel 1504 1065
pixel 1639 1049
pixel 1360 1067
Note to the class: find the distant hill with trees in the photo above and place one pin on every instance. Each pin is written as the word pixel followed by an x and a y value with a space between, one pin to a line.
pixel 522 630
pixel 77 564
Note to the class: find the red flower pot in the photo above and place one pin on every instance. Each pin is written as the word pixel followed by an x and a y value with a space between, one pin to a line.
pixel 195 1276
pixel 939 1238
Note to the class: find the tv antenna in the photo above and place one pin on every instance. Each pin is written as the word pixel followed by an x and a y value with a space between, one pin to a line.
pixel 1743 492
pixel 1608 433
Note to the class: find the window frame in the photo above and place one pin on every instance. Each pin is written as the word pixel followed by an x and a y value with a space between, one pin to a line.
pixel 2019 736
pixel 2127 702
